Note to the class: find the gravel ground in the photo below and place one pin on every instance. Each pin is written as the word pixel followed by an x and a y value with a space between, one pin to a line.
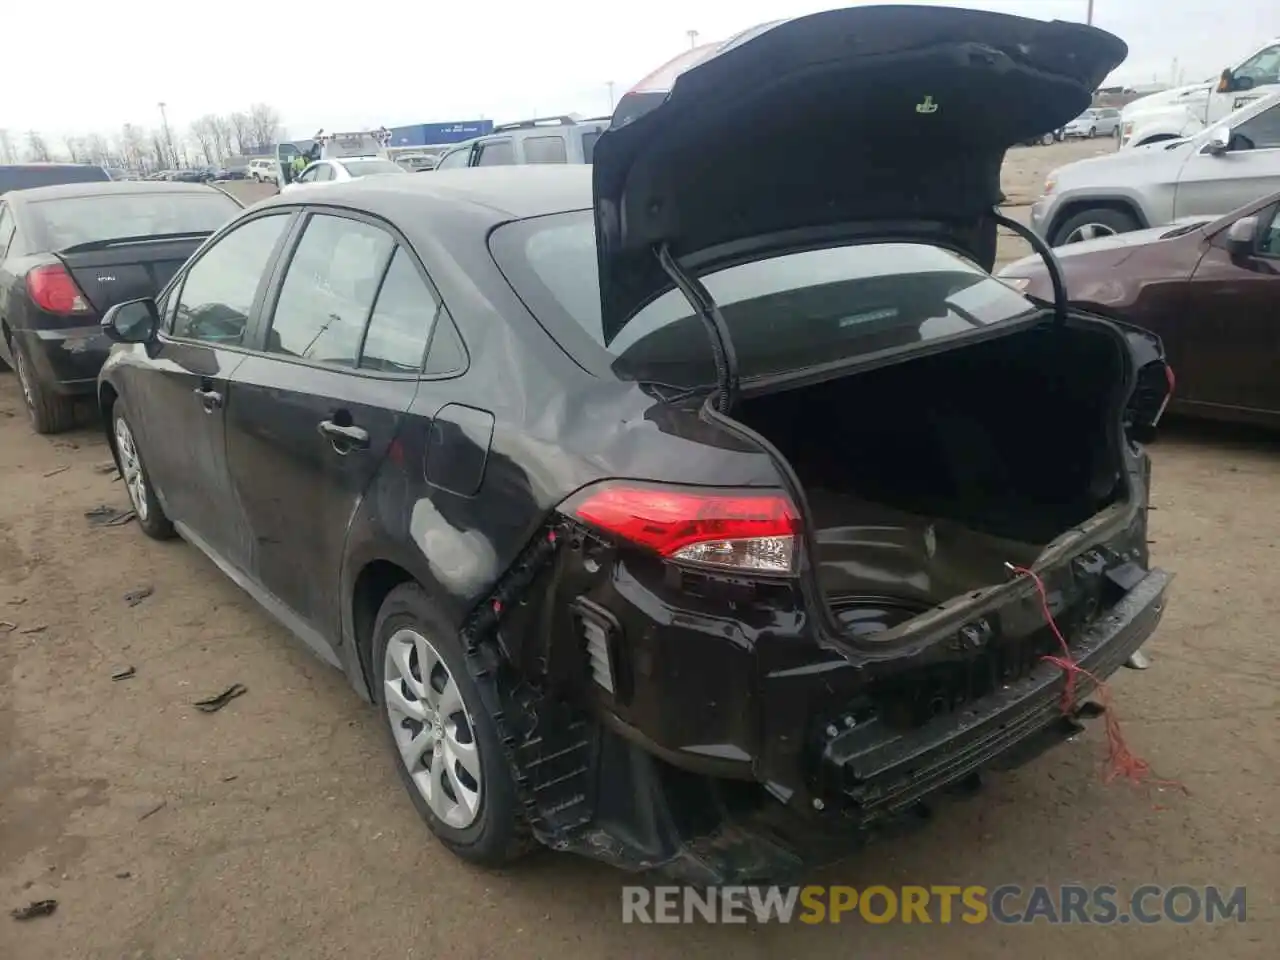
pixel 277 828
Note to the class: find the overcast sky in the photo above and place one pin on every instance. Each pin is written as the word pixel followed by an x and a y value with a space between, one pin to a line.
pixel 354 65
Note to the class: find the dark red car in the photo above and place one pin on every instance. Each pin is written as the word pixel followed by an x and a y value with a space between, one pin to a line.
pixel 1209 288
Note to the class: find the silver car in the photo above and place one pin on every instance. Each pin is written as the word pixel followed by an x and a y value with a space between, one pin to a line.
pixel 1098 122
pixel 1226 166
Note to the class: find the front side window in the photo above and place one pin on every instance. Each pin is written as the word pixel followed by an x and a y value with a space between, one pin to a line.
pixel 1262 68
pixel 219 288
pixel 785 313
pixel 496 153
pixel 458 158
pixel 1269 234
pixel 1261 132
pixel 328 290
pixel 401 322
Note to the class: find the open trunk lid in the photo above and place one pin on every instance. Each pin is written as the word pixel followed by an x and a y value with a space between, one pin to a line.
pixel 116 271
pixel 876 123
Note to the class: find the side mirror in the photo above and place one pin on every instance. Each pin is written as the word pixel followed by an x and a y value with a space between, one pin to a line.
pixel 1224 82
pixel 1241 236
pixel 134 321
pixel 1219 141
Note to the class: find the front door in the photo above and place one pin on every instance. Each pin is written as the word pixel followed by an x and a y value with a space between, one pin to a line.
pixel 318 410
pixel 1248 171
pixel 1231 329
pixel 187 390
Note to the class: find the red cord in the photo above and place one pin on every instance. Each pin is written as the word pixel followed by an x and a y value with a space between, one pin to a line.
pixel 1121 761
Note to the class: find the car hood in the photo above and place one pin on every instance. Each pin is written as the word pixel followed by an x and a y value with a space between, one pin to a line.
pixel 1120 245
pixel 884 122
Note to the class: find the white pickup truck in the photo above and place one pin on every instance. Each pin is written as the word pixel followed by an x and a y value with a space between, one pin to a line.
pixel 1185 111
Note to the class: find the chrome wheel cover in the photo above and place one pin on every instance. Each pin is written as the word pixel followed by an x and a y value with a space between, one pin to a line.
pixel 1089 231
pixel 135 479
pixel 432 728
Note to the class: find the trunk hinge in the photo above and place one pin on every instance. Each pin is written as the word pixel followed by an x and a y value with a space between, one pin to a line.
pixel 704 305
pixel 1050 259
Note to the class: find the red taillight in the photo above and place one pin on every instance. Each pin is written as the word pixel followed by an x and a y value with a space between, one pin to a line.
pixel 53 290
pixel 734 530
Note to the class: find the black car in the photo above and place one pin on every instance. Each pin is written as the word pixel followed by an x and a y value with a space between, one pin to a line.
pixel 676 511
pixel 67 254
pixel 24 176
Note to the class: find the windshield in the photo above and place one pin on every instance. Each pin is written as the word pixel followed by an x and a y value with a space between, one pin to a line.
pixel 784 313
pixel 66 222
pixel 363 168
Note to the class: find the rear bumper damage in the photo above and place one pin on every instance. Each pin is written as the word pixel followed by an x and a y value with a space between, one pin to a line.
pixel 67 359
pixel 718 752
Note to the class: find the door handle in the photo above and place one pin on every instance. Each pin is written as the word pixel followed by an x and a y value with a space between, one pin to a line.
pixel 345 438
pixel 211 399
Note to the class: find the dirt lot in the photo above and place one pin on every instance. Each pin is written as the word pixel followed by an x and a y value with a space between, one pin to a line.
pixel 277 828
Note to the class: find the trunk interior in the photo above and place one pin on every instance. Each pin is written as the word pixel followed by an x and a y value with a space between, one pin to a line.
pixel 925 477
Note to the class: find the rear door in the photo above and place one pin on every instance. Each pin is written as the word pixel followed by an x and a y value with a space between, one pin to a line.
pixel 1231 328
pixel 1215 185
pixel 183 397
pixel 318 408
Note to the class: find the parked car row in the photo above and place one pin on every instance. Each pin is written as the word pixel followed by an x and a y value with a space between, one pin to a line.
pixel 553 461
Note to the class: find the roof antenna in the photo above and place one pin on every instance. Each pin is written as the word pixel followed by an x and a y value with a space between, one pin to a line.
pixel 1050 259
pixel 726 359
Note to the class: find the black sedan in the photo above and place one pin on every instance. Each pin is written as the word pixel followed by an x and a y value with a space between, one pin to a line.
pixel 67 254
pixel 672 512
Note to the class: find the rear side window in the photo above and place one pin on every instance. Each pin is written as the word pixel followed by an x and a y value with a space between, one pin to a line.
pixel 589 145
pixel 545 150
pixel 496 153
pixel 219 288
pixel 59 224
pixel 328 290
pixel 401 320
pixel 27 177
pixel 784 313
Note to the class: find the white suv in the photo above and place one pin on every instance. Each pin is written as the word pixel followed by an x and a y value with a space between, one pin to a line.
pixel 263 170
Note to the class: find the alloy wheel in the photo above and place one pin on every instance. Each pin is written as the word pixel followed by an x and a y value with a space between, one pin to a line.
pixel 1089 231
pixel 432 728
pixel 135 480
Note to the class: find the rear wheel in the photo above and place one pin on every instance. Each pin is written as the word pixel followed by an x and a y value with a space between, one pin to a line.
pixel 445 745
pixel 1092 224
pixel 1047 139
pixel 50 412
pixel 1093 132
pixel 146 506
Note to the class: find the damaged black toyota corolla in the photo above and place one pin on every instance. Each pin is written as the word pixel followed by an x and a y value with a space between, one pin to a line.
pixel 670 509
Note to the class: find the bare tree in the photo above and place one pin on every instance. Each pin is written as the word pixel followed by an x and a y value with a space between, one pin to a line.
pixel 75 148
pixel 37 149
pixel 132 146
pixel 241 130
pixel 222 133
pixel 264 124
pixel 206 137
pixel 163 159
pixel 96 149
pixel 7 153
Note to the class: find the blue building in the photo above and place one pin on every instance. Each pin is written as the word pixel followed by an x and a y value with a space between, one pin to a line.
pixel 434 134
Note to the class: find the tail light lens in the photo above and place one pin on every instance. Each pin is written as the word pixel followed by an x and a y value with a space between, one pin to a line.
pixel 53 290
pixel 731 530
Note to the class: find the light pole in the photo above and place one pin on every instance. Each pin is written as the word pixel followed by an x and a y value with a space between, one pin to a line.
pixel 168 138
pixel 693 36
pixel 609 84
pixel 1088 17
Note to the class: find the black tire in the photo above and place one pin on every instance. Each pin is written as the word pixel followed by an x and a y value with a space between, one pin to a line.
pixel 1048 139
pixel 151 517
pixel 1093 132
pixel 50 412
pixel 1117 221
pixel 498 835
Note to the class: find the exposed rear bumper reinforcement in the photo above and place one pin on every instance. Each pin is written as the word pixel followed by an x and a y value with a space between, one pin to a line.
pixel 879 777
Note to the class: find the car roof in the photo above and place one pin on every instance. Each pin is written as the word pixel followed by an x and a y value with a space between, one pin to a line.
pixel 104 188
pixel 506 193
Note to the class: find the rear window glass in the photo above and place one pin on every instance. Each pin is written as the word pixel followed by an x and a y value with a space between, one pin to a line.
pixel 25 178
pixel 363 168
pixel 64 223
pixel 785 313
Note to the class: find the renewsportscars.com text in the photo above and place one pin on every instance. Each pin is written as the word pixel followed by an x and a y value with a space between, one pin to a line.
pixel 1006 904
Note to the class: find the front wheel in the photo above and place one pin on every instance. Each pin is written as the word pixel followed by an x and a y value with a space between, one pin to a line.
pixel 1047 139
pixel 1094 224
pixel 146 506
pixel 445 745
